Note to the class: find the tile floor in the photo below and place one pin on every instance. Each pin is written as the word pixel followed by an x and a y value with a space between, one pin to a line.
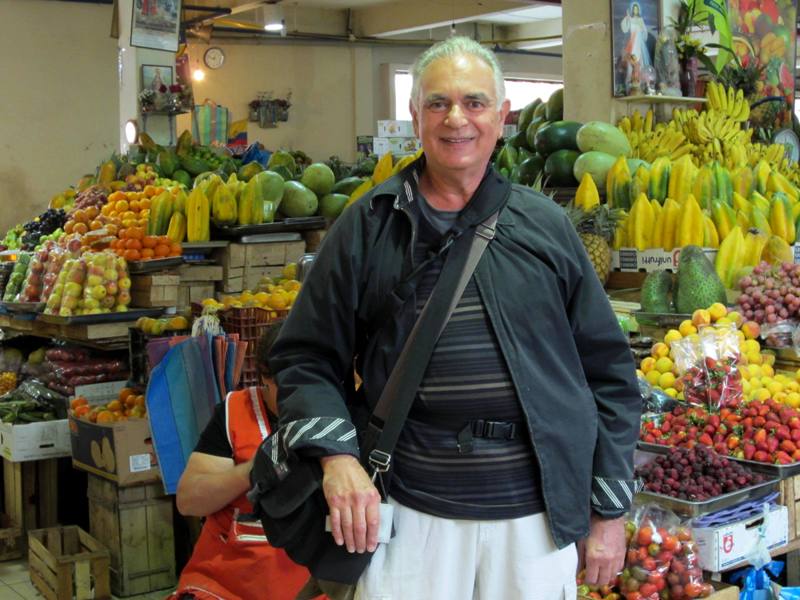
pixel 15 584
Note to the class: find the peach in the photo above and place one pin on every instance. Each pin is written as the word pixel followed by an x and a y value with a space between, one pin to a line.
pixel 701 317
pixel 751 330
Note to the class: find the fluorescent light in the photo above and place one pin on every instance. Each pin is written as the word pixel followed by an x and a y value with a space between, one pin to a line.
pixel 274 26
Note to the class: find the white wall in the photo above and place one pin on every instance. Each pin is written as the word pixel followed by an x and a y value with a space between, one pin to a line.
pixel 59 98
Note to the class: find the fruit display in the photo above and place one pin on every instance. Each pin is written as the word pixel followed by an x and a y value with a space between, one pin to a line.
pixel 129 404
pixel 49 222
pixel 770 293
pixel 80 369
pixel 764 431
pixel 96 283
pixel 695 474
pixel 151 326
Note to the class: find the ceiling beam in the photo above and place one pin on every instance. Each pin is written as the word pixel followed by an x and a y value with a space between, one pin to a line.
pixel 524 35
pixel 413 15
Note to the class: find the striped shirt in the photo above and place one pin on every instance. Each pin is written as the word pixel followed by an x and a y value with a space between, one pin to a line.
pixel 466 380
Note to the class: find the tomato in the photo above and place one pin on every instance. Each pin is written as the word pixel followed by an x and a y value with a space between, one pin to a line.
pixel 670 543
pixel 647 590
pixel 645 536
pixel 649 564
pixel 653 549
pixel 684 535
pixel 692 590
pixel 633 596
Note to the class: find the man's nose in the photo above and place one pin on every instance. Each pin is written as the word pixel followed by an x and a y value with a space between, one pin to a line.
pixel 455 117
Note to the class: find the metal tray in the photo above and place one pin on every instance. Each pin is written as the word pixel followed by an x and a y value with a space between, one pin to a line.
pixel 773 470
pixel 24 307
pixel 688 508
pixel 293 224
pixel 665 320
pixel 196 247
pixel 113 317
pixel 155 264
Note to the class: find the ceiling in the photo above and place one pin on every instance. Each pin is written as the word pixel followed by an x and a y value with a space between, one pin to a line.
pixel 388 18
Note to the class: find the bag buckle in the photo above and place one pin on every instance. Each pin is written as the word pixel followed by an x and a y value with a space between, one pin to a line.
pixel 380 462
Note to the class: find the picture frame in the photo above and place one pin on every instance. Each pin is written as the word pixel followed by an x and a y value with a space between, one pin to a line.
pixel 156 24
pixel 153 74
pixel 635 27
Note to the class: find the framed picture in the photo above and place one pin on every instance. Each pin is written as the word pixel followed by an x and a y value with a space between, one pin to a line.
pixel 634 30
pixel 154 76
pixel 156 24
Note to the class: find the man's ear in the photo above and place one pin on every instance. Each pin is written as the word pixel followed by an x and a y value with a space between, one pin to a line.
pixel 502 114
pixel 414 117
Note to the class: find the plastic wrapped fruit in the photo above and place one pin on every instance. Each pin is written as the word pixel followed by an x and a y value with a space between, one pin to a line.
pixel 34 280
pixel 75 270
pixel 17 277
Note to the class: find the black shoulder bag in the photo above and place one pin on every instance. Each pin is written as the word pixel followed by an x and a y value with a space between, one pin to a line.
pixel 287 488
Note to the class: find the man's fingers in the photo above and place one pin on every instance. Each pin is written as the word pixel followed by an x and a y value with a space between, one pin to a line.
pixel 347 528
pixel 360 525
pixel 373 515
pixel 336 526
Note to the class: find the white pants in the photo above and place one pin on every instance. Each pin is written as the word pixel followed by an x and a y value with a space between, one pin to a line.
pixel 443 559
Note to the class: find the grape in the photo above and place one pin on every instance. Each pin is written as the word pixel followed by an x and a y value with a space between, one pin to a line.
pixel 770 293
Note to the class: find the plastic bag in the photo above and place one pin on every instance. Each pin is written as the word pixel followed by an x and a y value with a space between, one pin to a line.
pixel 67 354
pixel 691 375
pixel 779 334
pixel 720 347
pixel 55 262
pixel 650 553
pixel 685 578
pixel 17 277
pixel 31 289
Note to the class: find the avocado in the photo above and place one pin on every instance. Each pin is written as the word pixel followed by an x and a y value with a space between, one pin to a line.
pixel 699 286
pixel 655 292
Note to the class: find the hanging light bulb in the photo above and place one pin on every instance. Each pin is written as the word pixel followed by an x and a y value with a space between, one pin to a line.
pixel 198 74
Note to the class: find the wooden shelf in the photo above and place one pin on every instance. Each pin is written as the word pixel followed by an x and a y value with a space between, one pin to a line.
pixel 656 99
pixel 103 336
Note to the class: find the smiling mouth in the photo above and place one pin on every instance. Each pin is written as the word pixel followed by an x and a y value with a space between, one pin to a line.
pixel 457 140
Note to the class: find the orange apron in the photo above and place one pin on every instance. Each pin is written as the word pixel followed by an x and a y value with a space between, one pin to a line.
pixel 232 559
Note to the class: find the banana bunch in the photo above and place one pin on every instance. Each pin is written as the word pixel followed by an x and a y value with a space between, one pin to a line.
pixel 773 154
pixel 649 142
pixel 729 101
pixel 711 125
pixel 637 123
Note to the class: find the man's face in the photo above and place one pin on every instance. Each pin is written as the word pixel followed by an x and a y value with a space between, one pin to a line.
pixel 457 117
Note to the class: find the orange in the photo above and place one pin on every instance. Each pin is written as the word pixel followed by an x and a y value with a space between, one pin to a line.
pixel 131 255
pixel 126 393
pixel 144 203
pixel 135 206
pixel 81 411
pixel 150 191
pixel 92 212
pixel 105 416
pixel 161 251
pixel 95 225
pixel 121 206
pixel 136 233
pixel 79 401
pixel 79 216
pixel 133 244
pixel 149 241
pixel 162 239
pixel 114 196
pixel 147 253
pixel 140 401
pixel 68 226
pixel 92 416
pixel 123 233
pixel 175 249
pixel 80 228
pixel 114 405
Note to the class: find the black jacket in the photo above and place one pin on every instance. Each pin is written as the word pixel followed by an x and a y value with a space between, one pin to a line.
pixel 568 358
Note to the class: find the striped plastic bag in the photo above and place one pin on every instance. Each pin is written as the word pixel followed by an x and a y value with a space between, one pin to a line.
pixel 210 123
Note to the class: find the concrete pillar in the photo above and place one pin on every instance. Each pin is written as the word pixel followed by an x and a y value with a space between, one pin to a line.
pixel 587 60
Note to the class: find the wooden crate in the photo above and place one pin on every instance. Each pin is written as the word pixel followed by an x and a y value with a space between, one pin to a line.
pixel 790 498
pixel 30 500
pixel 66 563
pixel 135 524
pixel 159 290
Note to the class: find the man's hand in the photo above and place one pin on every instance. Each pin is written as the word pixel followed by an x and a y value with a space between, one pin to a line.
pixel 353 502
pixel 603 552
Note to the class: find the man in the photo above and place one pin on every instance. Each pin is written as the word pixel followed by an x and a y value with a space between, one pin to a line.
pixel 528 412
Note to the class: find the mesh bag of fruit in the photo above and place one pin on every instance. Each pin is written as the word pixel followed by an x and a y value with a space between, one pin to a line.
pixel 55 261
pixel 720 348
pixel 32 286
pixel 685 577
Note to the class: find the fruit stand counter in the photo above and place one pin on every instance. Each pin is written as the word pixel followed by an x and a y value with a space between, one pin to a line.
pixel 106 336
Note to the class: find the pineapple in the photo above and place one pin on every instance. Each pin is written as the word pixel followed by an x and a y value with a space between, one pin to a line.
pixel 596 230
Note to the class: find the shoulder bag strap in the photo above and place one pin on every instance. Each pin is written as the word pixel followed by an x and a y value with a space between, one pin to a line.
pixel 395 401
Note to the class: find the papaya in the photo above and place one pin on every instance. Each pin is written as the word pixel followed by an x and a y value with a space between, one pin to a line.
pixel 197 217
pixel 176 231
pixel 223 206
pixel 168 161
pixel 248 171
pixel 603 137
pixel 184 145
pixel 347 185
pixel 160 213
pixel 193 165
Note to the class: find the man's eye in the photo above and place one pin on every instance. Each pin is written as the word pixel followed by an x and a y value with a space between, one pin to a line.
pixel 475 105
pixel 437 106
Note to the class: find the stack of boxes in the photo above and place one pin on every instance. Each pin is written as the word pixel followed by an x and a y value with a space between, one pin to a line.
pixel 396 137
pixel 243 265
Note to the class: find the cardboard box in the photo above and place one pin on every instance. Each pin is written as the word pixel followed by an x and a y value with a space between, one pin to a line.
pixel 200 273
pixel 154 290
pixel 260 254
pixel 391 128
pixel 363 145
pixel 35 441
pixel 396 145
pixel 195 292
pixel 720 548
pixel 121 452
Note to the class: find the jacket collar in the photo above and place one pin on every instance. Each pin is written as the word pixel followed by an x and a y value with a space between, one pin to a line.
pixel 491 195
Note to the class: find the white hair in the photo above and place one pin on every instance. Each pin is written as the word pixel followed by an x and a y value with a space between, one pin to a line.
pixel 457 46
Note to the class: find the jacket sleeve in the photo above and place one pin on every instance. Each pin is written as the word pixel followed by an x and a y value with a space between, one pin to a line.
pixel 611 374
pixel 315 347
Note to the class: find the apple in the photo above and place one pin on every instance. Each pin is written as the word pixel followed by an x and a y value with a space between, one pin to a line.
pixel 112 288
pixel 94 311
pixel 73 289
pixel 124 283
pixel 64 312
pixel 70 302
pixel 121 308
pixel 74 245
pixel 107 302
pixel 751 330
pixel 98 291
pixel 91 303
pixel 94 280
pixel 123 297
pixel 110 274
